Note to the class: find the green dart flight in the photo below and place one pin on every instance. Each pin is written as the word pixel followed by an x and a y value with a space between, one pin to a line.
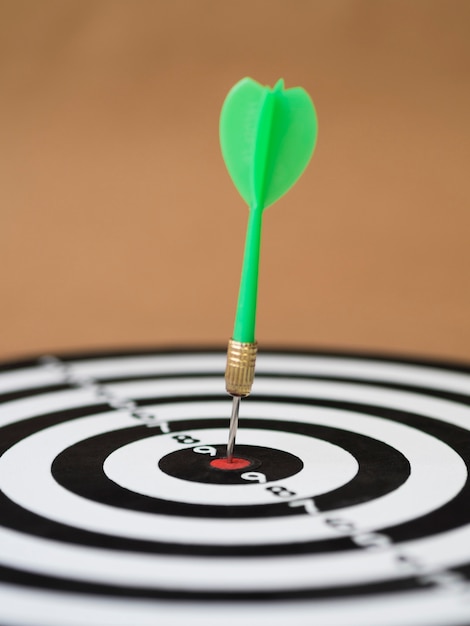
pixel 267 136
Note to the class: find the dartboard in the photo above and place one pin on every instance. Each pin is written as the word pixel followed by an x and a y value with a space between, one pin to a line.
pixel 349 504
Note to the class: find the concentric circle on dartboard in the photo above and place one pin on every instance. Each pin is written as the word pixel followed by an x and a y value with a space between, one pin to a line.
pixel 356 490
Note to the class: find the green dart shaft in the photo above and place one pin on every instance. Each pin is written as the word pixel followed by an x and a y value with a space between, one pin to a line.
pixel 245 319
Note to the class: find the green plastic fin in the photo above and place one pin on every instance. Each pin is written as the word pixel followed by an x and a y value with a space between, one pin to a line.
pixel 293 139
pixel 267 138
pixel 239 122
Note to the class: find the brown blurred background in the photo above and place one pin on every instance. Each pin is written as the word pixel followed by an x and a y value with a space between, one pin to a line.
pixel 120 226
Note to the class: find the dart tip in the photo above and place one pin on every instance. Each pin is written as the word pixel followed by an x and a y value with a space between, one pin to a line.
pixel 233 428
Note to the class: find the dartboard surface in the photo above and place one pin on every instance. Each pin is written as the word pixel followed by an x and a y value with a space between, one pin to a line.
pixel 351 505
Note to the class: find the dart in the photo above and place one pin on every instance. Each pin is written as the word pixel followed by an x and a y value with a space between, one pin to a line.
pixel 267 138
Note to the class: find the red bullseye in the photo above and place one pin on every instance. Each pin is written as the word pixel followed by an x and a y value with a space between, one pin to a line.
pixel 235 463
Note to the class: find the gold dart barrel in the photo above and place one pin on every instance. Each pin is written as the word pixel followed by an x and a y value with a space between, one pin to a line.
pixel 240 370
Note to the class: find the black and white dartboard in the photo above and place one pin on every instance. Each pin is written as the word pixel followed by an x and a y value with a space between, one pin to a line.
pixel 350 507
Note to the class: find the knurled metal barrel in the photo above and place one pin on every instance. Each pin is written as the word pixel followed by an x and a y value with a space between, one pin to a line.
pixel 240 370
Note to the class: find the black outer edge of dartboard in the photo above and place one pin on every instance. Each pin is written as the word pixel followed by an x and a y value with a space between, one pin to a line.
pixel 19 364
pixel 433 362
pixel 436 362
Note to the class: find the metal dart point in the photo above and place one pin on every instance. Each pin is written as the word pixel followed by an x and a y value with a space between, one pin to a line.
pixel 239 376
pixel 232 433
